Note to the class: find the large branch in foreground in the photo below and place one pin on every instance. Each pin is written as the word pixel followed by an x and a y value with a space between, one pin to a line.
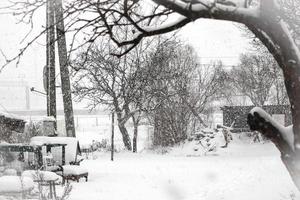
pixel 282 137
pixel 190 12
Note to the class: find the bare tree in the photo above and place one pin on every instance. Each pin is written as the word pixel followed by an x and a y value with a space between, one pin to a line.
pixel 254 77
pixel 278 94
pixel 102 79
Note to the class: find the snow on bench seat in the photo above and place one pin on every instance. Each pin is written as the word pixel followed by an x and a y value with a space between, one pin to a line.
pixel 15 184
pixel 42 175
pixel 74 170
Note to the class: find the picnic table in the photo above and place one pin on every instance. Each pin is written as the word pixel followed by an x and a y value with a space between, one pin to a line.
pixel 44 178
pixel 51 184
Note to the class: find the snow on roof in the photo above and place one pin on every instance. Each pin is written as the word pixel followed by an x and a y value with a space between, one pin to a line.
pixel 286 132
pixel 49 118
pixel 10 116
pixel 71 148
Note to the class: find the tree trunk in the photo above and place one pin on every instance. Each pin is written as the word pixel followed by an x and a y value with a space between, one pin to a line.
pixel 274 34
pixel 64 71
pixel 51 87
pixel 262 122
pixel 125 136
pixel 135 134
pixel 134 140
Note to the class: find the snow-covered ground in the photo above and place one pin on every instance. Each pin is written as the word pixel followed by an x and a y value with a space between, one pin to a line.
pixel 240 172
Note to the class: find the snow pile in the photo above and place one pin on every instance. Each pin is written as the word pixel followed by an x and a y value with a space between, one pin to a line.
pixel 74 170
pixel 15 184
pixel 87 138
pixel 209 144
pixel 10 172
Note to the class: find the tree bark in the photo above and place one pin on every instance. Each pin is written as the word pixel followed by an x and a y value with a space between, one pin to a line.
pixel 51 92
pixel 288 155
pixel 134 140
pixel 125 136
pixel 64 71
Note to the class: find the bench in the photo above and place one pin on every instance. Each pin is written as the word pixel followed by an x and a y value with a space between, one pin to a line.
pixel 75 177
pixel 74 172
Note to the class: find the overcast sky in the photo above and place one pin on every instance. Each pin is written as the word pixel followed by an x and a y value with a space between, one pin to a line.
pixel 215 40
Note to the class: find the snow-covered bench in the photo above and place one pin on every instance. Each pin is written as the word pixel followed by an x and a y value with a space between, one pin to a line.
pixel 74 172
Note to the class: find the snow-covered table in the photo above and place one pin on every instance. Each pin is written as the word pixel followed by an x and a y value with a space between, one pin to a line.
pixel 42 175
pixel 44 178
pixel 74 172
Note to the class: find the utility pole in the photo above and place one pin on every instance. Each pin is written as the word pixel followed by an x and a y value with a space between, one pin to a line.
pixel 64 71
pixel 50 67
pixel 46 70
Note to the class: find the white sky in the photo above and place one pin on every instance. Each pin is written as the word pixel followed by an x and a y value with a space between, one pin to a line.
pixel 213 40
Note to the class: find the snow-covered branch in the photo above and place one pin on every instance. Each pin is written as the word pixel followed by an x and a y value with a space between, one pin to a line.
pixel 285 132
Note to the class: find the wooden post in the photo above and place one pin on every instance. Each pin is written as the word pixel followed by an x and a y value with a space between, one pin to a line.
pixel 63 159
pixel 39 156
pixel 46 70
pixel 112 134
pixel 64 70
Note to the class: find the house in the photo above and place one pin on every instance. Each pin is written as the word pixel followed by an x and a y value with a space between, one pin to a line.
pixel 11 127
